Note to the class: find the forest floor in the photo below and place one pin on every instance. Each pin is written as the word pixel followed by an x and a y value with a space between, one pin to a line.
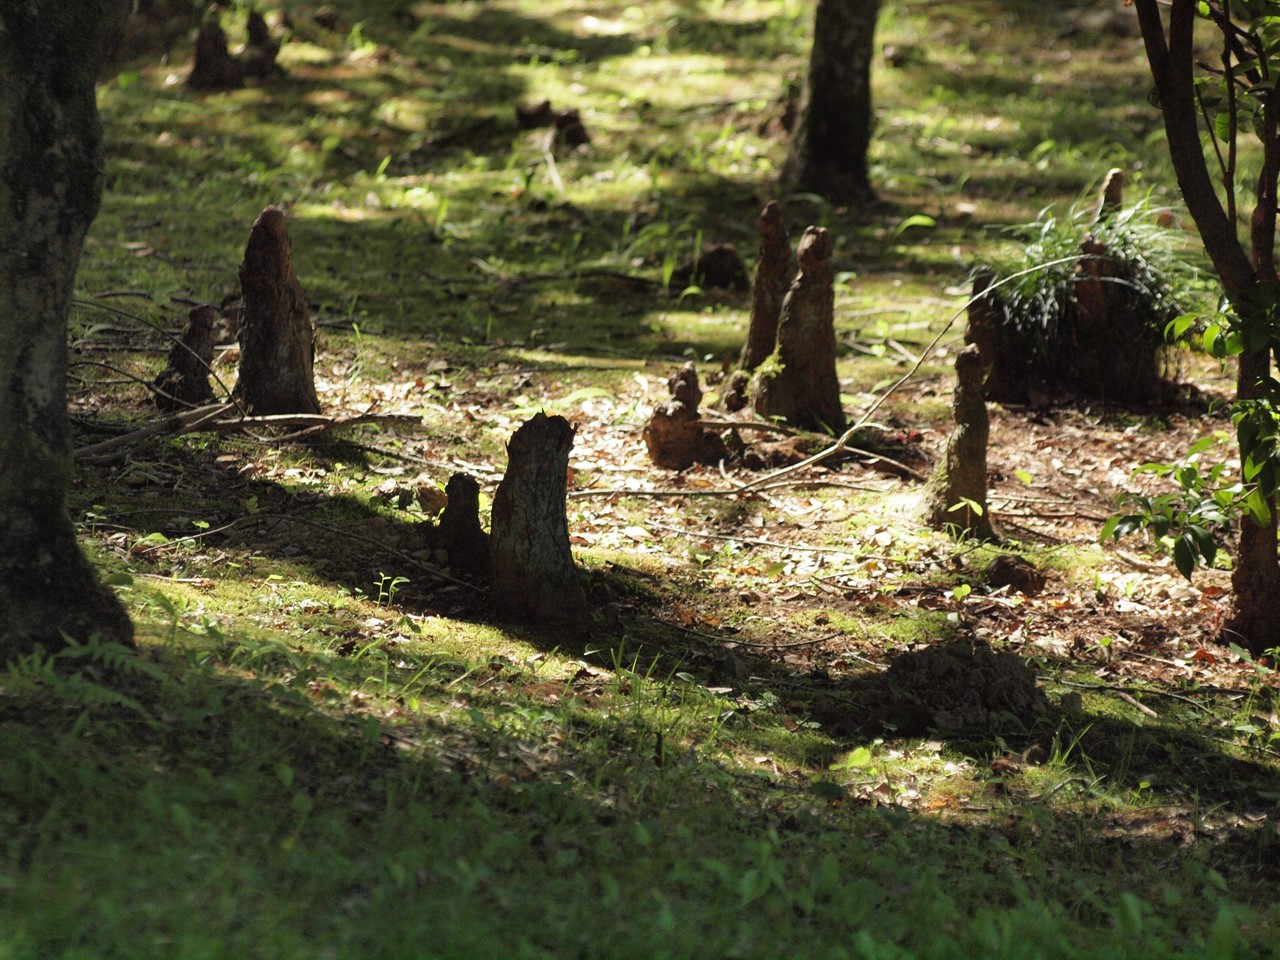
pixel 798 724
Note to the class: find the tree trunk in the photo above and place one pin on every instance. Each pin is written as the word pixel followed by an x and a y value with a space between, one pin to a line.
pixel 50 187
pixel 1253 619
pixel 277 344
pixel 828 153
pixel 773 277
pixel 798 382
pixel 1248 279
pixel 534 576
pixel 956 495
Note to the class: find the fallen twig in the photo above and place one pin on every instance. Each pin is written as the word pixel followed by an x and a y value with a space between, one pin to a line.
pixel 208 419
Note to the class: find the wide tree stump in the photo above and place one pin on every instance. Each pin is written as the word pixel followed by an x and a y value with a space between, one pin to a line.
pixel 798 382
pixel 673 436
pixel 534 576
pixel 277 343
pixel 184 382
pixel 773 277
pixel 956 495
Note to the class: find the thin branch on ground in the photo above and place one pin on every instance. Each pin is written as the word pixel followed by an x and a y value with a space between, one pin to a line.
pixel 208 419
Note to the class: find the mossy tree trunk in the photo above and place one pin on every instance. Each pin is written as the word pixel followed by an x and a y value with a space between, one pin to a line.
pixel 534 576
pixel 798 382
pixel 277 344
pixel 828 154
pixel 50 187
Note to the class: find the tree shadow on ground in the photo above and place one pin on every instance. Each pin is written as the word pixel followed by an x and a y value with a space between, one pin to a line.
pixel 983 704
pixel 240 760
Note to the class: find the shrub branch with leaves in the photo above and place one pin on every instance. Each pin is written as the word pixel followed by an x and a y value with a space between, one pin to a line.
pixel 1222 123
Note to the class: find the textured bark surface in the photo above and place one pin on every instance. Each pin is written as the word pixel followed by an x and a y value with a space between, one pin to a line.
pixel 277 344
pixel 673 436
pixel 773 277
pixel 798 382
pixel 50 186
pixel 534 576
pixel 828 154
pixel 184 382
pixel 960 480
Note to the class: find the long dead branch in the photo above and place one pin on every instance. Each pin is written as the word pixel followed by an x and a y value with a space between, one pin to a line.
pixel 228 418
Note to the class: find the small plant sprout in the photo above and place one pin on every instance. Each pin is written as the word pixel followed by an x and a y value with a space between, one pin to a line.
pixel 388 586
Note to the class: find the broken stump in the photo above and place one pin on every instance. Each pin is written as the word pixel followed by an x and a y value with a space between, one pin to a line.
pixel 277 343
pixel 534 576
pixel 773 277
pixel 673 436
pixel 797 383
pixel 956 495
pixel 184 382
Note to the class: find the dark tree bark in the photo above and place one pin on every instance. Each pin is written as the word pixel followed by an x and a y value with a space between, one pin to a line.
pixel 773 277
pixel 828 153
pixel 277 344
pixel 50 188
pixel 1249 279
pixel 956 495
pixel 184 382
pixel 798 381
pixel 534 576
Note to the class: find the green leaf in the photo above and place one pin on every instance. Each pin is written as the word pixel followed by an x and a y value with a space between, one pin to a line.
pixel 1184 556
pixel 858 757
pixel 1176 328
pixel 917 220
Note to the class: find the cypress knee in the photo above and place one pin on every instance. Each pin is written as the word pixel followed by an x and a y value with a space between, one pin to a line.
pixel 956 494
pixel 277 344
pixel 798 382
pixel 534 576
